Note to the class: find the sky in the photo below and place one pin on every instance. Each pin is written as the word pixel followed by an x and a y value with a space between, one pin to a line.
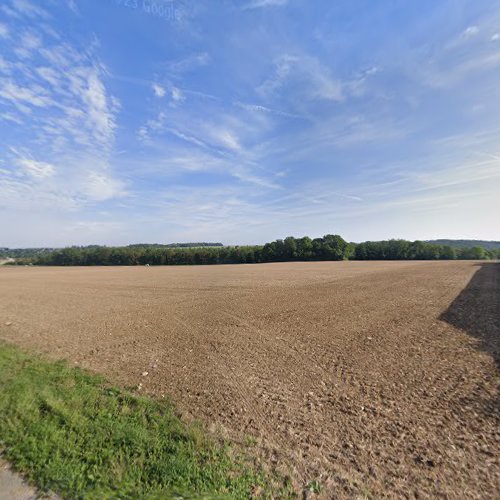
pixel 157 121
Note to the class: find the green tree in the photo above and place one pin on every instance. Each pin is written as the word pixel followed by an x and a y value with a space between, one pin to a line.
pixel 447 253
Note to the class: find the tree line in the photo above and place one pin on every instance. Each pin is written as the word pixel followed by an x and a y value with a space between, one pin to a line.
pixel 23 253
pixel 419 250
pixel 29 254
pixel 329 247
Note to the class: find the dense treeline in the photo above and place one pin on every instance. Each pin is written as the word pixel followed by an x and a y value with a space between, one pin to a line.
pixel 30 253
pixel 154 256
pixel 23 253
pixel 418 250
pixel 330 247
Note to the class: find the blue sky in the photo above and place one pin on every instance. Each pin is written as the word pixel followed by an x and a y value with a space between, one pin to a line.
pixel 246 121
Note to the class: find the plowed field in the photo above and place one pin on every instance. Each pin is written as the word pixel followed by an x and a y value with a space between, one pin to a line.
pixel 372 378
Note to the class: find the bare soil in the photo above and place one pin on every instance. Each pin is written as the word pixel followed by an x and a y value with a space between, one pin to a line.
pixel 374 378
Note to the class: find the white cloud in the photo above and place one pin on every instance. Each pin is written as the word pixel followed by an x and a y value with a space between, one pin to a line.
pixel 34 95
pixel 206 162
pixel 72 6
pixel 257 4
pixel 62 56
pixel 357 86
pixel 465 39
pixel 60 106
pixel 11 118
pixel 225 138
pixel 216 137
pixel 153 126
pixel 470 31
pixel 282 70
pixel 4 31
pixel 456 175
pixel 460 57
pixel 37 169
pixel 307 77
pixel 264 109
pixel 101 187
pixel 31 40
pixel 177 95
pixel 41 184
pixel 50 75
pixel 4 65
pixel 187 137
pixel 442 74
pixel 99 111
pixel 158 90
pixel 189 63
pixel 27 45
pixel 28 9
pixel 69 82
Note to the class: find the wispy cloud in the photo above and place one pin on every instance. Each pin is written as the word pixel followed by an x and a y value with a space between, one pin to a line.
pixel 470 31
pixel 36 95
pixel 4 31
pixel 177 95
pixel 258 4
pixel 158 90
pixel 264 109
pixel 73 6
pixel 28 43
pixel 100 187
pixel 224 137
pixel 100 111
pixel 37 169
pixel 152 126
pixel 302 76
pixel 445 75
pixel 188 63
pixel 57 93
pixel 25 8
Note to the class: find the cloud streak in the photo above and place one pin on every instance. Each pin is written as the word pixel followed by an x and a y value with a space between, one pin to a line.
pixel 259 4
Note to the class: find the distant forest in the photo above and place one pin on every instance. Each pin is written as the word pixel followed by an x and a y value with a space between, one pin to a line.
pixel 329 247
pixel 30 253
pixel 487 245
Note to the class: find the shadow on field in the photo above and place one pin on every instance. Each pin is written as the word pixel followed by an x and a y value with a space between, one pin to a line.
pixel 477 309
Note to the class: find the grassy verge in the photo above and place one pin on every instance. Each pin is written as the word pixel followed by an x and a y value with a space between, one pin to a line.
pixel 71 433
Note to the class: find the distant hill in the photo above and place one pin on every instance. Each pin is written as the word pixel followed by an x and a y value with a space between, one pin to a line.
pixel 488 245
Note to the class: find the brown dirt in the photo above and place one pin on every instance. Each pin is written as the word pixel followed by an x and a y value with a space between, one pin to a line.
pixel 377 379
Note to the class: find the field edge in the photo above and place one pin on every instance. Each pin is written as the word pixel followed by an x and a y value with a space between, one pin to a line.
pixel 68 431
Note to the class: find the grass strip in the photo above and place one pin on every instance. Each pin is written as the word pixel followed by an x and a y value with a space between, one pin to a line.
pixel 69 432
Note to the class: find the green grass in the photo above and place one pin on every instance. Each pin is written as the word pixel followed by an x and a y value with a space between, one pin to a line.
pixel 70 432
